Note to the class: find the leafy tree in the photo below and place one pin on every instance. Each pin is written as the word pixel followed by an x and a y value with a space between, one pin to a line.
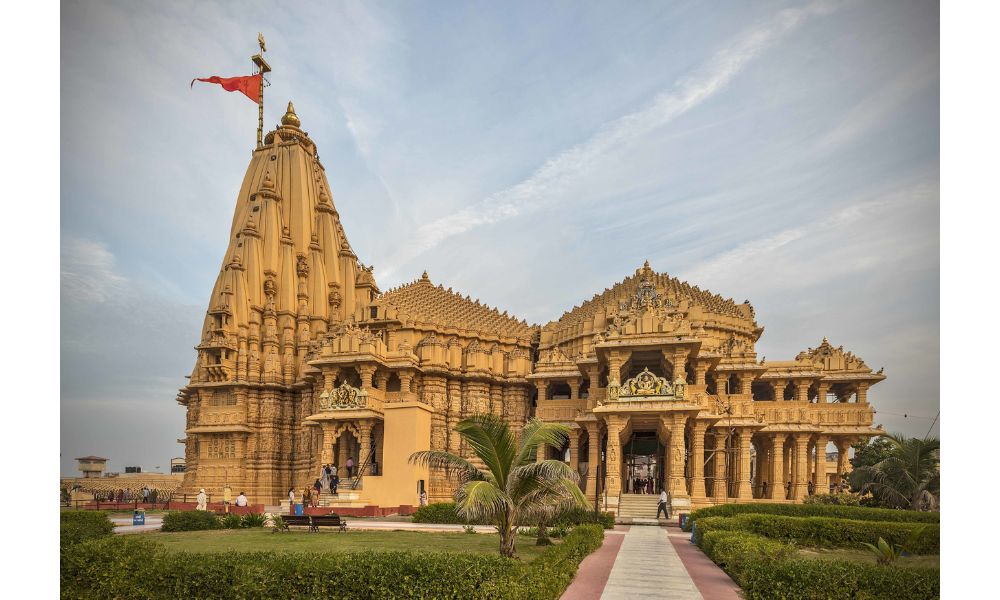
pixel 900 472
pixel 512 488
pixel 871 451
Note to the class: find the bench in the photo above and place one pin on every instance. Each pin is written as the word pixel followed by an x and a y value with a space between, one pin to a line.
pixel 314 522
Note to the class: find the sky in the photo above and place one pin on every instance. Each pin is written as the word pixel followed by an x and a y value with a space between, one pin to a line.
pixel 528 154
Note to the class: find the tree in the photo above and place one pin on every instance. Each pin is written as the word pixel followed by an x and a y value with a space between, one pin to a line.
pixel 905 474
pixel 512 488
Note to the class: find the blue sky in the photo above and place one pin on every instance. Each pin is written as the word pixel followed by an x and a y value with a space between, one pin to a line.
pixel 526 153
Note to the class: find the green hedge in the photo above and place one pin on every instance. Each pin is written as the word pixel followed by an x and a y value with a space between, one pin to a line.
pixel 76 526
pixel 826 532
pixel 857 513
pixel 445 512
pixel 190 520
pixel 128 567
pixel 768 570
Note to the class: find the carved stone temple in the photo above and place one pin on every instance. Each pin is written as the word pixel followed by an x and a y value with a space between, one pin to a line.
pixel 304 361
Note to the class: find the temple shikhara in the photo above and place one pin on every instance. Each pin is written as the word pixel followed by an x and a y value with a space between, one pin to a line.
pixel 305 361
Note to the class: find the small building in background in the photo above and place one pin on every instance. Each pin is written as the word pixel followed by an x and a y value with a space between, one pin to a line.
pixel 91 466
pixel 177 465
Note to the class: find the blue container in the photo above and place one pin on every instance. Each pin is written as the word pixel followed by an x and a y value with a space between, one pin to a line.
pixel 138 517
pixel 298 510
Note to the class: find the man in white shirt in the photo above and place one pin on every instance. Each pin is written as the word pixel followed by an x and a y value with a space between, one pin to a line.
pixel 663 505
pixel 241 500
pixel 202 500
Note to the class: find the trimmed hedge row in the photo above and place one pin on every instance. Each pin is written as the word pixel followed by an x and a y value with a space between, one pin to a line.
pixel 767 570
pixel 137 567
pixel 827 532
pixel 76 526
pixel 445 512
pixel 856 513
pixel 190 520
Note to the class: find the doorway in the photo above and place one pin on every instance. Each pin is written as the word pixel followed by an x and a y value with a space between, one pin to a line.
pixel 643 464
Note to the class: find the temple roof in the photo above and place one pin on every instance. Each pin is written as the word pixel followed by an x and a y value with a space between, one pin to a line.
pixel 424 301
pixel 671 287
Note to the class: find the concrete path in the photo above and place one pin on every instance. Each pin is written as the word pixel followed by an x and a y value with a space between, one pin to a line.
pixel 712 582
pixel 647 566
pixel 593 572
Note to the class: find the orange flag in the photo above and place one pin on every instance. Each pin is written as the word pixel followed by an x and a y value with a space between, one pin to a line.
pixel 248 84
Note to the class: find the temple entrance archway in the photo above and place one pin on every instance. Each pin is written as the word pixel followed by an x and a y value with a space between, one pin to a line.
pixel 644 461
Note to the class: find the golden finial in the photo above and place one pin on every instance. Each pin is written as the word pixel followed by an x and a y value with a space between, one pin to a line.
pixel 291 119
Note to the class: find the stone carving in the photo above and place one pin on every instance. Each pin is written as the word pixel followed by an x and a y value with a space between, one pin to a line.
pixel 334 298
pixel 302 265
pixel 344 397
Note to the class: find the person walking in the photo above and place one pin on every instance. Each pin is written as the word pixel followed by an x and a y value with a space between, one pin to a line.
pixel 334 482
pixel 663 505
pixel 291 501
pixel 202 500
pixel 350 467
pixel 318 487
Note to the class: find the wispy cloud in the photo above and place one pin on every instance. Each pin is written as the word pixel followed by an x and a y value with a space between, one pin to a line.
pixel 88 271
pixel 555 175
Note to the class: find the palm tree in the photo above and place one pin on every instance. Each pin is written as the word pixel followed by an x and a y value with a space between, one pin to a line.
pixel 909 477
pixel 512 489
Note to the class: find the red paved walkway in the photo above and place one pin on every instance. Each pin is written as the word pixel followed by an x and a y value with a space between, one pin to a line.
pixel 593 572
pixel 712 582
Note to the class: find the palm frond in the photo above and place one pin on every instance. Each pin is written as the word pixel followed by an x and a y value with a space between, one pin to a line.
pixel 439 459
pixel 475 500
pixel 537 432
pixel 492 441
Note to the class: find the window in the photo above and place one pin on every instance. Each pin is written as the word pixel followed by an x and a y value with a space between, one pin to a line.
pixel 374 312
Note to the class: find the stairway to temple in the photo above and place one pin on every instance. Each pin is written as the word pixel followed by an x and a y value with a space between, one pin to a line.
pixel 638 506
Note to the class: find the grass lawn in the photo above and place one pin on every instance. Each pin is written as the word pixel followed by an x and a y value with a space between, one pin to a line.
pixel 930 560
pixel 249 540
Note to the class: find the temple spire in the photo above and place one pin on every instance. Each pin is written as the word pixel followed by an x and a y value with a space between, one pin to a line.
pixel 261 67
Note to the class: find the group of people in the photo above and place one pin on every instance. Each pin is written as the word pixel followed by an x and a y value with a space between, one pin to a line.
pixel 642 485
pixel 145 495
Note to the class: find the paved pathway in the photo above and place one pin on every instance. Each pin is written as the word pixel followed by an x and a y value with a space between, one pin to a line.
pixel 648 567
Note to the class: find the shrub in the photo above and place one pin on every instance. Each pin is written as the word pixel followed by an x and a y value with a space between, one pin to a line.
pixel 733 549
pixel 76 526
pixel 231 521
pixel 857 513
pixel 127 567
pixel 252 520
pixel 834 499
pixel 441 512
pixel 445 512
pixel 190 520
pixel 837 580
pixel 827 532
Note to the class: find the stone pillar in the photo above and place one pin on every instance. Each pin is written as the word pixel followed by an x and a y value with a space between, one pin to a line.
pixel 779 389
pixel 366 375
pixel 763 469
pixel 454 388
pixel 719 484
pixel 821 389
pixel 593 376
pixel 802 390
pixel 594 459
pixel 679 359
pixel 405 377
pixel 343 451
pixel 700 370
pixel 746 380
pixel 574 391
pixel 540 387
pixel 381 379
pixel 862 397
pixel 843 445
pixel 615 362
pixel 776 488
pixel 613 461
pixel 698 460
pixel 677 486
pixel 364 443
pixel 574 449
pixel 745 491
pixel 326 450
pixel 800 480
pixel 819 469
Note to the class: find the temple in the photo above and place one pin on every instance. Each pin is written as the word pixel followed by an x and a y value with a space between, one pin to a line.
pixel 304 361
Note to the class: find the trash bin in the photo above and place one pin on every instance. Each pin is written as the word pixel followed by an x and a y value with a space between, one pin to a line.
pixel 139 516
pixel 298 509
pixel 681 518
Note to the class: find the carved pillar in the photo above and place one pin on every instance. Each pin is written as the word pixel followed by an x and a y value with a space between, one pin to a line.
pixel 540 389
pixel 679 359
pixel 677 487
pixel 779 389
pixel 574 448
pixel 763 468
pixel 613 462
pixel 745 491
pixel 496 400
pixel 593 376
pixel 862 397
pixel 366 375
pixel 454 414
pixel 800 482
pixel 698 459
pixel 405 378
pixel 802 390
pixel 700 370
pixel 364 445
pixel 719 487
pixel 574 392
pixel 746 380
pixel 822 388
pixel 777 486
pixel 819 469
pixel 326 450
pixel 381 378
pixel 843 445
pixel 594 459
pixel 615 361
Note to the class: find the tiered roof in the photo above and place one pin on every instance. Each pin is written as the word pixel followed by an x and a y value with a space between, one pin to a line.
pixel 671 286
pixel 434 304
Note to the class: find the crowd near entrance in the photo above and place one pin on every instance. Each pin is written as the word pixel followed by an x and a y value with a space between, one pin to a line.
pixel 643 464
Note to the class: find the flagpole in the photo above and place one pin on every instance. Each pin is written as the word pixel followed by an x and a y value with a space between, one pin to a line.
pixel 262 68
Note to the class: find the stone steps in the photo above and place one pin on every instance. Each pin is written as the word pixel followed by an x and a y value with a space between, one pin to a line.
pixel 638 506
